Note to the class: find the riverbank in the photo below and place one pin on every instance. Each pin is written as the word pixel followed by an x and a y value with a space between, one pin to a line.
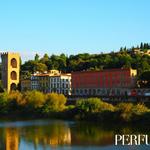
pixel 34 104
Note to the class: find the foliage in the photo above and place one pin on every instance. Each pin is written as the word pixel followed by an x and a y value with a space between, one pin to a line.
pixel 125 111
pixel 34 99
pixel 144 79
pixel 128 111
pixel 93 105
pixel 54 103
pixel 125 58
pixel 1 87
pixel 88 105
pixel 140 109
pixel 15 100
pixel 3 103
pixel 106 107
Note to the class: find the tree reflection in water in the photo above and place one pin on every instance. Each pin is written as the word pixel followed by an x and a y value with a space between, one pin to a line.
pixel 59 133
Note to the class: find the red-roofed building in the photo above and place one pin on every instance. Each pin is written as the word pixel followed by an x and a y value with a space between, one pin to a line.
pixel 104 82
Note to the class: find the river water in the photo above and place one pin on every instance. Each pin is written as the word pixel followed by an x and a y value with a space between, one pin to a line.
pixel 62 135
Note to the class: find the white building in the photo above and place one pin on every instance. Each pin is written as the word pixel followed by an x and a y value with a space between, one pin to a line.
pixel 60 84
pixel 53 81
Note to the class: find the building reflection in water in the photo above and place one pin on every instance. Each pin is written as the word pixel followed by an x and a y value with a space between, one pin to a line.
pixel 12 139
pixel 57 134
pixel 52 136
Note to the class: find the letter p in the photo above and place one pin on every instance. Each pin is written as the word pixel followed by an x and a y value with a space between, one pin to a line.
pixel 117 138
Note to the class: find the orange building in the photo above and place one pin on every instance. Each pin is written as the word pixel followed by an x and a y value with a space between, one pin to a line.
pixel 103 82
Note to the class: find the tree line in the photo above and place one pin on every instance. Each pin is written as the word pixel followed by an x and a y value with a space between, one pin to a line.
pixel 85 61
pixel 124 58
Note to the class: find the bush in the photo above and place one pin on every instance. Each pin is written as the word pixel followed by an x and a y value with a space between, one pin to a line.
pixel 54 102
pixel 3 103
pixel 89 105
pixel 93 105
pixel 125 111
pixel 33 99
pixel 139 109
pixel 14 100
pixel 69 107
pixel 106 107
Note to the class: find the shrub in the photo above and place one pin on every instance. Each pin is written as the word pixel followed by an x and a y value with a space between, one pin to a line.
pixel 3 103
pixel 125 111
pixel 54 102
pixel 93 105
pixel 34 99
pixel 14 100
pixel 139 109
pixel 89 105
pixel 69 107
pixel 106 107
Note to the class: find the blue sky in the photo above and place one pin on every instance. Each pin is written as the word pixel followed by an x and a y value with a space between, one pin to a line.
pixel 72 26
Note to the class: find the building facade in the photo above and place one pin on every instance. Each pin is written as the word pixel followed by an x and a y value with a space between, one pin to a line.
pixel 54 81
pixel 105 82
pixel 10 70
pixel 25 85
pixel 60 84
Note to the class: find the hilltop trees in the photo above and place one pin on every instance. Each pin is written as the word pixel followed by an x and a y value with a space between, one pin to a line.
pixel 144 79
pixel 125 58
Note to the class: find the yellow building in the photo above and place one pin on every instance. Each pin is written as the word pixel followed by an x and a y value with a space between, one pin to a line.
pixel 10 70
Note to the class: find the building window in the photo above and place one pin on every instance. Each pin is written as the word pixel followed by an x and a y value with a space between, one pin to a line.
pixel 57 85
pixel 85 91
pixel 94 91
pixel 81 91
pixel 14 63
pixel 13 75
pixel 77 91
pixel 63 85
pixel 13 86
pixel 66 85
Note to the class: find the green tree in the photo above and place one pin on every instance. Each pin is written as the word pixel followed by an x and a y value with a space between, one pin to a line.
pixel 44 59
pixel 93 105
pixel 144 79
pixel 54 103
pixel 3 103
pixel 33 99
pixel 40 67
pixel 36 58
pixel 141 46
pixel 15 100
pixel 145 66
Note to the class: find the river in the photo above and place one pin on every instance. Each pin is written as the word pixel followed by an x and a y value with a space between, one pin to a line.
pixel 62 135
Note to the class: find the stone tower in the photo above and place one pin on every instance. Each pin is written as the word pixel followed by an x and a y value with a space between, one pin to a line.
pixel 10 70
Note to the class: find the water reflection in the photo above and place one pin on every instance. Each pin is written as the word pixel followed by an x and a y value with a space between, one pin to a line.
pixel 53 134
pixel 12 139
